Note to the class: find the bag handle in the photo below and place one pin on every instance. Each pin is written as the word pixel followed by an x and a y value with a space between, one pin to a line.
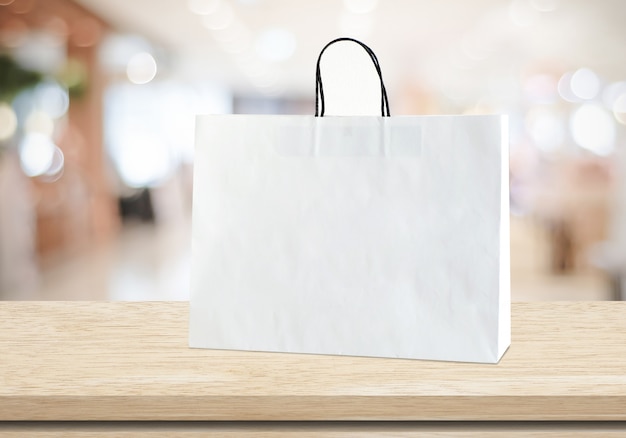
pixel 319 89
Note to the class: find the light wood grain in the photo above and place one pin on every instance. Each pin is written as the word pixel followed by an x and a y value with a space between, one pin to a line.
pixel 130 361
pixel 314 429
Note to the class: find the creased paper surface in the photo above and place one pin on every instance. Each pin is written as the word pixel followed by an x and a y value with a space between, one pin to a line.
pixel 361 236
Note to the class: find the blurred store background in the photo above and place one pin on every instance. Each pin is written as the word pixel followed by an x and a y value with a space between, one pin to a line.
pixel 97 105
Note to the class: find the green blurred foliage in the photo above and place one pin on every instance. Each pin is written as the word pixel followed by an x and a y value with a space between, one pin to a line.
pixel 14 78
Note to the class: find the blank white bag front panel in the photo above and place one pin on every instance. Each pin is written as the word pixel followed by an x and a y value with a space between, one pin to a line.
pixel 362 236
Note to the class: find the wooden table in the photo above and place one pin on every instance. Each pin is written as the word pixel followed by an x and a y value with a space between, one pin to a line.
pixel 110 362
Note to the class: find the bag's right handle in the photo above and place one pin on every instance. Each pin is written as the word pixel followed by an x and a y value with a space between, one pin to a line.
pixel 319 89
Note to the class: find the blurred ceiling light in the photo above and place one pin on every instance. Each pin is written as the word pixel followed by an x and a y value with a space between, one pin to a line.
pixel 41 51
pixel 203 7
pixel 236 46
pixel 141 68
pixel 263 75
pixel 246 62
pixel 55 170
pixel 459 60
pixel 456 87
pixel 52 99
pixel 117 49
pixel 521 13
pixel 585 84
pixel 612 93
pixel 39 122
pixel 222 17
pixel 36 154
pixel 545 5
pixel 276 44
pixel 356 25
pixel 619 109
pixel 593 129
pixel 144 160
pixel 360 6
pixel 473 48
pixel 234 39
pixel 235 32
pixel 541 88
pixel 545 129
pixel 504 88
pixel 565 88
pixel 8 121
pixel 259 74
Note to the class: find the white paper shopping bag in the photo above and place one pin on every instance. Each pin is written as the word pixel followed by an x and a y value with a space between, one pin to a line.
pixel 367 236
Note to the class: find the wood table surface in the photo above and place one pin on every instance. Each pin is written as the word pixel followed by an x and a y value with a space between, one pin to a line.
pixel 101 361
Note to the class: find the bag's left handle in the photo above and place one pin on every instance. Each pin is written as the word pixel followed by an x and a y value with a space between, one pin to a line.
pixel 319 89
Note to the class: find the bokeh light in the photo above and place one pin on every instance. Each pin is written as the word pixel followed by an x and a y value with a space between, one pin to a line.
pixel 219 18
pixel 144 160
pixel 56 165
pixel 109 110
pixel 36 154
pixel 541 88
pixel 619 109
pixel 52 99
pixel 593 129
pixel 203 7
pixel 564 88
pixel 585 84
pixel 612 92
pixel 356 25
pixel 8 121
pixel 39 122
pixel 276 44
pixel 545 5
pixel 545 129
pixel 142 68
pixel 360 6
pixel 521 13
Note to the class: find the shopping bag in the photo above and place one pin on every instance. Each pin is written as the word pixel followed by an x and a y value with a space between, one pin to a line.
pixel 365 236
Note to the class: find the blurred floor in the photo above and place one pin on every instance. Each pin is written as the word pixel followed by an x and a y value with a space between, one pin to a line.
pixel 531 279
pixel 145 263
pixel 152 262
